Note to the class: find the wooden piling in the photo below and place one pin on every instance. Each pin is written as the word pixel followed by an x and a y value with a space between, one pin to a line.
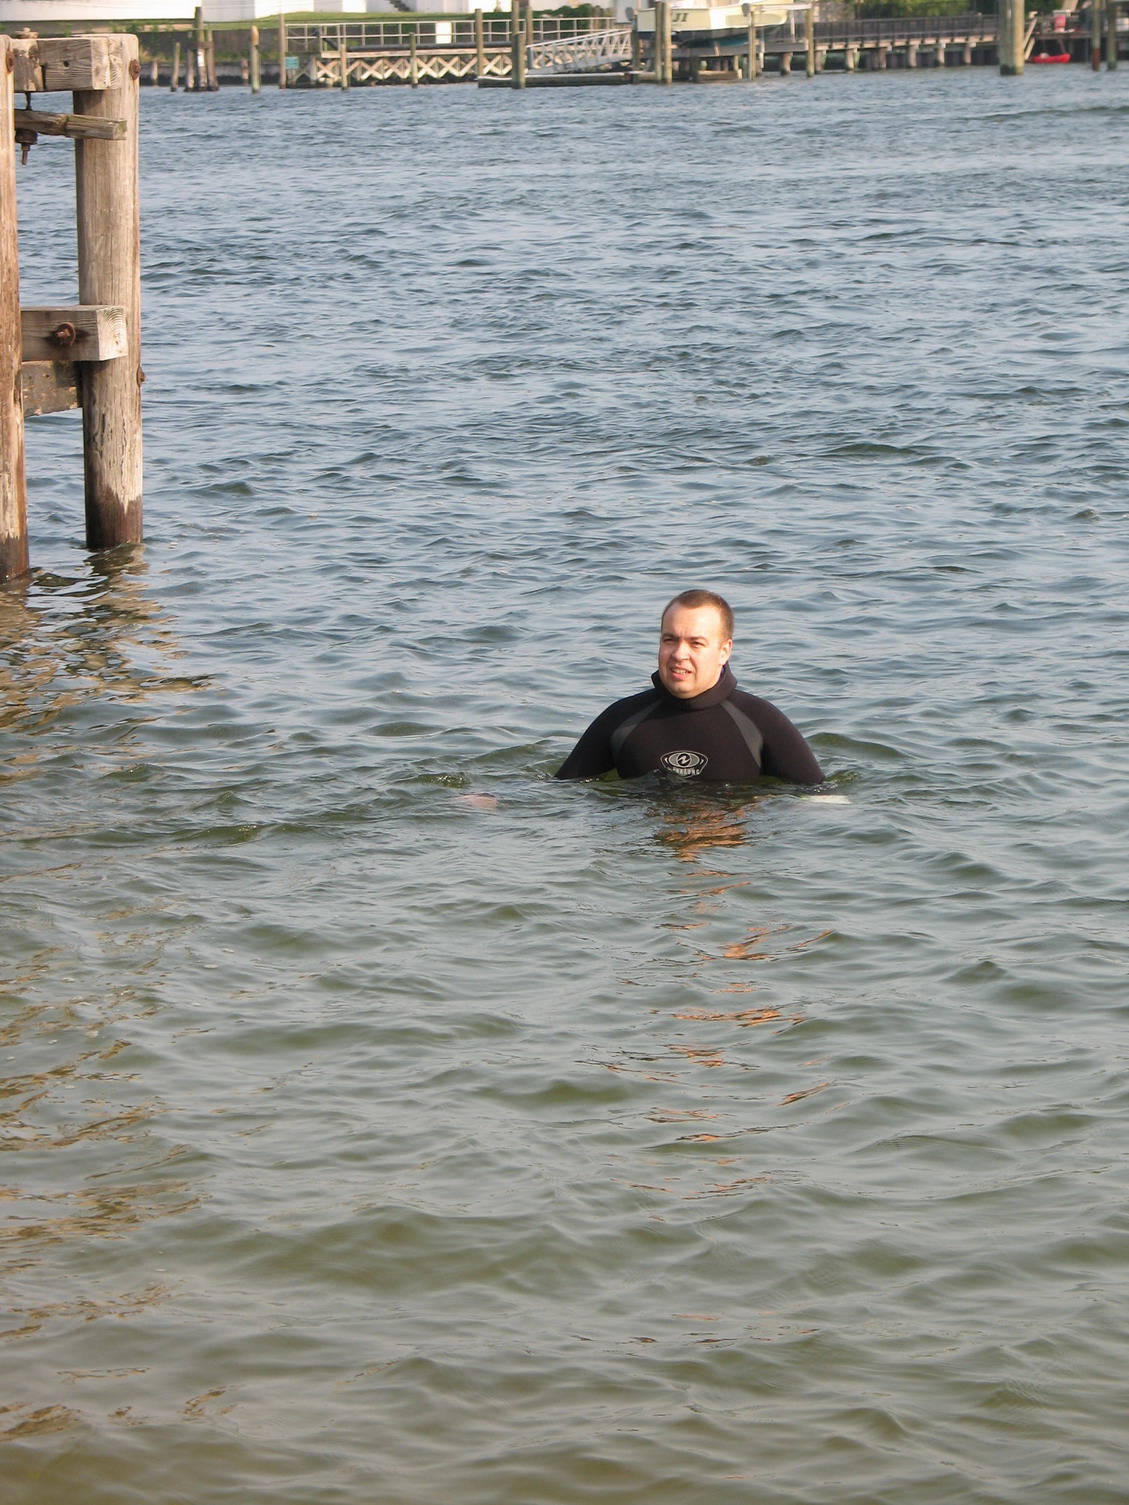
pixel 413 57
pixel 199 61
pixel 479 45
pixel 174 83
pixel 751 43
pixel 809 41
pixel 189 69
pixel 256 62
pixel 664 43
pixel 1012 37
pixel 154 72
pixel 210 60
pixel 517 46
pixel 283 44
pixel 13 490
pixel 1096 35
pixel 343 57
pixel 109 272
pixel 1111 35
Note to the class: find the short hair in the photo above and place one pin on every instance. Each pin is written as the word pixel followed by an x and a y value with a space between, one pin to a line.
pixel 695 599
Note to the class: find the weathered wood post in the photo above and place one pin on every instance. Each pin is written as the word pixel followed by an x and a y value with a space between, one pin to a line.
pixel 343 55
pixel 283 45
pixel 174 82
pixel 1095 35
pixel 809 41
pixel 1013 37
pixel 154 72
pixel 751 42
pixel 413 57
pixel 1111 35
pixel 664 41
pixel 517 46
pixel 13 490
pixel 479 44
pixel 210 56
pixel 200 62
pixel 256 62
pixel 109 272
pixel 189 69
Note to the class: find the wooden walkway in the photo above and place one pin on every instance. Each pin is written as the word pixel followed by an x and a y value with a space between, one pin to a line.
pixel 346 55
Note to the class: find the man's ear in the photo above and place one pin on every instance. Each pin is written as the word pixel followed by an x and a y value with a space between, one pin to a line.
pixel 726 650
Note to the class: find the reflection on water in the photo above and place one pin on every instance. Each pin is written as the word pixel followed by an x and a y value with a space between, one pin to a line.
pixel 66 641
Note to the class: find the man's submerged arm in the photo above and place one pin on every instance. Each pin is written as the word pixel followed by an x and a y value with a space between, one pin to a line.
pixel 591 756
pixel 786 755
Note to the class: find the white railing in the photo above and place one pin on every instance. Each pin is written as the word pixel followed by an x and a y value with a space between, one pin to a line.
pixel 579 54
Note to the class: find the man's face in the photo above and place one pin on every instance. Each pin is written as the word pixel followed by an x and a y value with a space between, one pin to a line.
pixel 692 650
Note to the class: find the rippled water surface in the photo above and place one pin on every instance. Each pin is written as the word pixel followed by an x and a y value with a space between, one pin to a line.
pixel 389 1124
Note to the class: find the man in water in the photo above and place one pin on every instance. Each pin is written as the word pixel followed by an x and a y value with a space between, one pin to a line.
pixel 695 723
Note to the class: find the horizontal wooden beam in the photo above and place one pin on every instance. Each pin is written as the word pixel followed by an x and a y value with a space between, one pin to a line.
pixel 49 387
pixel 85 332
pixel 44 65
pixel 84 127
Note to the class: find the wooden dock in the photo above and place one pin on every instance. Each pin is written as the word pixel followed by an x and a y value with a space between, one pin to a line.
pixel 484 47
pixel 87 353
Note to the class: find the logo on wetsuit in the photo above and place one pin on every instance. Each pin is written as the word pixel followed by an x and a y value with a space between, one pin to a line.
pixel 685 764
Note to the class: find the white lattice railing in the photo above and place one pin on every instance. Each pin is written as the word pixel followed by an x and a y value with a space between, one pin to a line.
pixel 581 53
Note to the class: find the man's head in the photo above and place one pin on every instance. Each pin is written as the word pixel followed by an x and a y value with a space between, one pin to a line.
pixel 695 641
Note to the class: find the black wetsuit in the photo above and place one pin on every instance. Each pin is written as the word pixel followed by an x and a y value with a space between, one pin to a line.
pixel 724 735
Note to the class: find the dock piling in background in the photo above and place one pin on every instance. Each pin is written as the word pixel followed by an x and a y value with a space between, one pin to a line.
pixel 256 62
pixel 809 41
pixel 479 45
pixel 282 49
pixel 1012 37
pixel 109 272
pixel 13 489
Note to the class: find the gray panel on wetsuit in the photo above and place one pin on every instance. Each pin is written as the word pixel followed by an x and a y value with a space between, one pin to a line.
pixel 625 728
pixel 749 730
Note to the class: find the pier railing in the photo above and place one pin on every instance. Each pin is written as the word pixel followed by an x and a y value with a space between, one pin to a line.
pixel 322 38
pixel 896 31
pixel 571 54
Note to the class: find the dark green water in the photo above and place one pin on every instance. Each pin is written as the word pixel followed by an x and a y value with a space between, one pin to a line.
pixel 387 1124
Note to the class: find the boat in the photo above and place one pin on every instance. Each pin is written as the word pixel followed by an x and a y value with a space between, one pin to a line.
pixel 715 17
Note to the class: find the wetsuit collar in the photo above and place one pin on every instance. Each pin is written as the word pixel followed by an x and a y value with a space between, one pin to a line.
pixel 721 691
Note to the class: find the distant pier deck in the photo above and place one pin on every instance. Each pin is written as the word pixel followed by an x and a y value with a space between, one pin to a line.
pixel 332 55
